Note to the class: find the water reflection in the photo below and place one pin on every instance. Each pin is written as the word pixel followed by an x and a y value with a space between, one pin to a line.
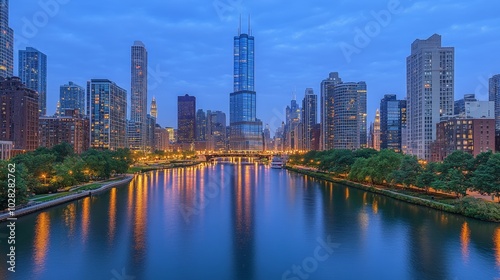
pixel 112 214
pixel 465 240
pixel 42 232
pixel 85 218
pixel 496 240
pixel 70 218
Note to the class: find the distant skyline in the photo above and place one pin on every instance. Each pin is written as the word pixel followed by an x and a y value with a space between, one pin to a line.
pixel 190 46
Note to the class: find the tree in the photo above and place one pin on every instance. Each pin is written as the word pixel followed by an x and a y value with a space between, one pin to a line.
pixel 382 165
pixel 486 178
pixel 408 171
pixel 20 181
pixel 62 151
pixel 456 171
pixel 428 177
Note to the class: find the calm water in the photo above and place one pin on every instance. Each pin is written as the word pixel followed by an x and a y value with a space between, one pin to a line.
pixel 248 222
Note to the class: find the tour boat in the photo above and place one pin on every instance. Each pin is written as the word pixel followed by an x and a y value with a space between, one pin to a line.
pixel 277 162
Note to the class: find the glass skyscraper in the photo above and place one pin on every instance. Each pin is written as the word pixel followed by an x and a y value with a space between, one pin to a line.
pixel 246 129
pixel 108 114
pixel 137 136
pixel 6 42
pixel 494 95
pixel 392 118
pixel 186 119
pixel 72 97
pixel 33 73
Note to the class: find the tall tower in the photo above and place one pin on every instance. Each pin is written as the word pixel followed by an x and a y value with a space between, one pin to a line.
pixel 430 92
pixel 186 119
pixel 33 73
pixel 309 116
pixel 154 109
pixel 6 42
pixel 139 96
pixel 326 108
pixel 246 129
pixel 376 131
pixel 72 97
pixel 391 122
pixel 494 91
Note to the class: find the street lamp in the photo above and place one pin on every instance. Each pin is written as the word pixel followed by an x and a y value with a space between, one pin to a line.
pixel 44 179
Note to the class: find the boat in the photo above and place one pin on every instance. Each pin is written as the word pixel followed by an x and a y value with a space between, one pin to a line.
pixel 277 162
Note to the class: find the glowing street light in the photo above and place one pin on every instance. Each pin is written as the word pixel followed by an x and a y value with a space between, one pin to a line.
pixel 44 179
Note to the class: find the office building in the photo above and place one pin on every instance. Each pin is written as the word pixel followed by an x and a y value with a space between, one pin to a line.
pixel 71 97
pixel 108 114
pixel 326 110
pixel 309 116
pixel 246 129
pixel 430 92
pixel 154 109
pixel 33 73
pixel 216 130
pixel 201 125
pixel 392 120
pixel 162 139
pixel 376 136
pixel 139 97
pixel 186 119
pixel 460 104
pixel 494 95
pixel 6 42
pixel 18 114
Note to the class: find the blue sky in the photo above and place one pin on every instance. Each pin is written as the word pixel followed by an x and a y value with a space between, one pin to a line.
pixel 297 44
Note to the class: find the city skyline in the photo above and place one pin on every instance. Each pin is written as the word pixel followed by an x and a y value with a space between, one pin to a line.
pixel 205 41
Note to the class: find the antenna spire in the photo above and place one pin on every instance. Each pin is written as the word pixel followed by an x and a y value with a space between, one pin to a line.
pixel 249 26
pixel 239 28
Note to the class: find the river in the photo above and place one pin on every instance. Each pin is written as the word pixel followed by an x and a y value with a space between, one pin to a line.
pixel 247 221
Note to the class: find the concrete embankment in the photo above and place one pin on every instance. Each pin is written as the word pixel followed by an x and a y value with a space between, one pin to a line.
pixel 44 205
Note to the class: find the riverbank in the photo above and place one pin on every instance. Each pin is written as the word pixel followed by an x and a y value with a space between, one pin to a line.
pixel 47 204
pixel 468 207
pixel 154 167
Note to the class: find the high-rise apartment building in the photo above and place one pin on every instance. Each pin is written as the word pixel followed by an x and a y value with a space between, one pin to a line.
pixel 246 129
pixel 137 137
pixel 33 73
pixel 309 116
pixel 107 113
pixel 186 119
pixel 392 120
pixel 70 127
pixel 460 104
pixel 6 42
pixel 326 110
pixel 201 125
pixel 494 95
pixel 216 130
pixel 18 114
pixel 430 92
pixel 71 97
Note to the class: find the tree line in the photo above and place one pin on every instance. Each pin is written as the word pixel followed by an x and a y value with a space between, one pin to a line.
pixel 47 170
pixel 458 173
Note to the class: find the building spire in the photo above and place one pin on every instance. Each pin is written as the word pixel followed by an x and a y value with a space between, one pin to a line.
pixel 239 28
pixel 249 26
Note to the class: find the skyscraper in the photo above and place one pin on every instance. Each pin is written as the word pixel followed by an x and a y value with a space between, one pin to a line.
pixel 71 97
pixel 326 108
pixel 139 96
pixel 246 129
pixel 376 131
pixel 494 91
pixel 154 109
pixel 6 42
pixel 33 73
pixel 201 125
pixel 343 114
pixel 108 114
pixel 216 130
pixel 18 114
pixel 430 92
pixel 186 119
pixel 391 122
pixel 309 116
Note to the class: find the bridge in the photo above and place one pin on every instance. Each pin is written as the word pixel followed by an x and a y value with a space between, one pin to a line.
pixel 259 155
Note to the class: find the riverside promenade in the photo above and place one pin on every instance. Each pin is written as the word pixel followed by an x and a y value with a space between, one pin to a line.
pixel 43 205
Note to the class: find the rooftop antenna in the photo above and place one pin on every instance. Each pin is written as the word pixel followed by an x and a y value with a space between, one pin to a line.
pixel 249 26
pixel 239 28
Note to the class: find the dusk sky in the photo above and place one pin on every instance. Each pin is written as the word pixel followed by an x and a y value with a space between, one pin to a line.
pixel 190 46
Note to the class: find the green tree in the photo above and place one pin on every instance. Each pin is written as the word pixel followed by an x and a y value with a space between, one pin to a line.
pixel 456 172
pixel 62 151
pixel 428 177
pixel 382 165
pixel 408 171
pixel 20 181
pixel 486 178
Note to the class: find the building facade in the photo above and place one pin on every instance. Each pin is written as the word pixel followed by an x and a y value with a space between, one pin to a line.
pixel 376 134
pixel 309 116
pixel 6 42
pixel 392 120
pixel 326 110
pixel 70 127
pixel 139 96
pixel 186 119
pixel 18 114
pixel 460 104
pixel 33 73
pixel 473 136
pixel 107 113
pixel 216 131
pixel 201 125
pixel 430 92
pixel 154 109
pixel 71 97
pixel 494 95
pixel 162 139
pixel 246 129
